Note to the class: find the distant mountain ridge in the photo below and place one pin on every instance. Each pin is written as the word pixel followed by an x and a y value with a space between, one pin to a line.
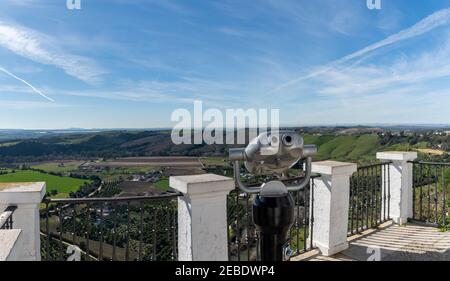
pixel 355 144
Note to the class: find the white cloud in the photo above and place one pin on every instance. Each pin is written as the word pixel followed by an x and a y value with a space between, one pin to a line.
pixel 44 49
pixel 184 90
pixel 370 79
pixel 21 105
pixel 431 22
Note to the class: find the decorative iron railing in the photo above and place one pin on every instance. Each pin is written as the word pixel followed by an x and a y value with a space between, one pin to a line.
pixel 6 217
pixel 110 229
pixel 243 239
pixel 369 197
pixel 431 191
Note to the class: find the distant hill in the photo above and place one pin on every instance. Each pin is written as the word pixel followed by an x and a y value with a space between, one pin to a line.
pixel 353 147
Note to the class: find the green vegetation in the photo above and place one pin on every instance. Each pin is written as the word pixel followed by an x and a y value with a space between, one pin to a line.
pixel 345 148
pixel 5 144
pixel 162 184
pixel 58 167
pixel 62 185
pixel 338 143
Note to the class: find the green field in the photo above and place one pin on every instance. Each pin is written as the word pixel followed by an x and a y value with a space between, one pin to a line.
pixel 63 185
pixel 57 167
pixel 162 184
pixel 344 148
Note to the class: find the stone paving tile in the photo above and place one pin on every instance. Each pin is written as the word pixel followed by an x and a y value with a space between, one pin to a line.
pixel 394 243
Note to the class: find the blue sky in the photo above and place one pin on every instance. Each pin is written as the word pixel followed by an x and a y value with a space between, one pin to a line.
pixel 130 63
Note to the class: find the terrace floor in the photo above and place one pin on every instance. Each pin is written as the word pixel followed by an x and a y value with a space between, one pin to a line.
pixel 391 242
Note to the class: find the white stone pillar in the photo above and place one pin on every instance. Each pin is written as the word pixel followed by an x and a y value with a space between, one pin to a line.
pixel 27 197
pixel 400 175
pixel 331 203
pixel 202 216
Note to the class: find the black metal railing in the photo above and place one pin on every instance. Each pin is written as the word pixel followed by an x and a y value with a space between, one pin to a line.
pixel 6 217
pixel 243 239
pixel 110 229
pixel 431 191
pixel 370 193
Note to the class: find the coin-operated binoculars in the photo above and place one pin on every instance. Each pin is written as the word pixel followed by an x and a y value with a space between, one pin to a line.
pixel 273 154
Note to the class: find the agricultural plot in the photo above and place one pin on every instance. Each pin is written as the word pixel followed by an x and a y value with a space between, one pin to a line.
pixel 215 161
pixel 192 162
pixel 59 166
pixel 62 185
pixel 136 188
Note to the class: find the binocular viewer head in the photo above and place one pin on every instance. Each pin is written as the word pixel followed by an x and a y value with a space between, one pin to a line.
pixel 273 153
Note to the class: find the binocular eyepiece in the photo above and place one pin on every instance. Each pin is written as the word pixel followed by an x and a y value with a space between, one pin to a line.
pixel 273 153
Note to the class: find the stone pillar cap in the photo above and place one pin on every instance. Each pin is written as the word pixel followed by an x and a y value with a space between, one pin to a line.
pixel 334 168
pixel 397 155
pixel 21 193
pixel 202 184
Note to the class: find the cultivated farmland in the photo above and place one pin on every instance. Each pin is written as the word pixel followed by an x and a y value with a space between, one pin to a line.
pixel 191 162
pixel 63 185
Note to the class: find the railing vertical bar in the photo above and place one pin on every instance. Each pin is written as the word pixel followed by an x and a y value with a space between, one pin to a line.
pixel 305 221
pixel 174 235
pixel 114 254
pixel 373 199
pixel 238 238
pixel 100 256
pixel 47 229
pixel 291 231
pixel 357 190
pixel 302 223
pixel 311 215
pixel 167 228
pixel 366 184
pixel 352 203
pixel 61 230
pixel 389 191
pixel 247 214
pixel 74 223
pixel 155 237
pixel 141 231
pixel 228 226
pixel 383 175
pixel 379 193
pixel 87 232
pixel 127 246
pixel 428 194
pixel 444 190
pixel 414 168
pixel 375 196
pixel 421 192
pixel 436 179
pixel 370 196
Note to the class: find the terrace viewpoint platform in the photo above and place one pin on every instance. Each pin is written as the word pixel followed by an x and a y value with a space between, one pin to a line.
pixel 410 242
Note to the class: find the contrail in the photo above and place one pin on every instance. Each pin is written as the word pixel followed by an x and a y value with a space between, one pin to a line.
pixel 26 83
pixel 431 22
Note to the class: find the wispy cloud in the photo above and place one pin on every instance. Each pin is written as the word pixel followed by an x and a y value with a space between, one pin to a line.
pixel 431 22
pixel 21 105
pixel 185 90
pixel 44 49
pixel 26 83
